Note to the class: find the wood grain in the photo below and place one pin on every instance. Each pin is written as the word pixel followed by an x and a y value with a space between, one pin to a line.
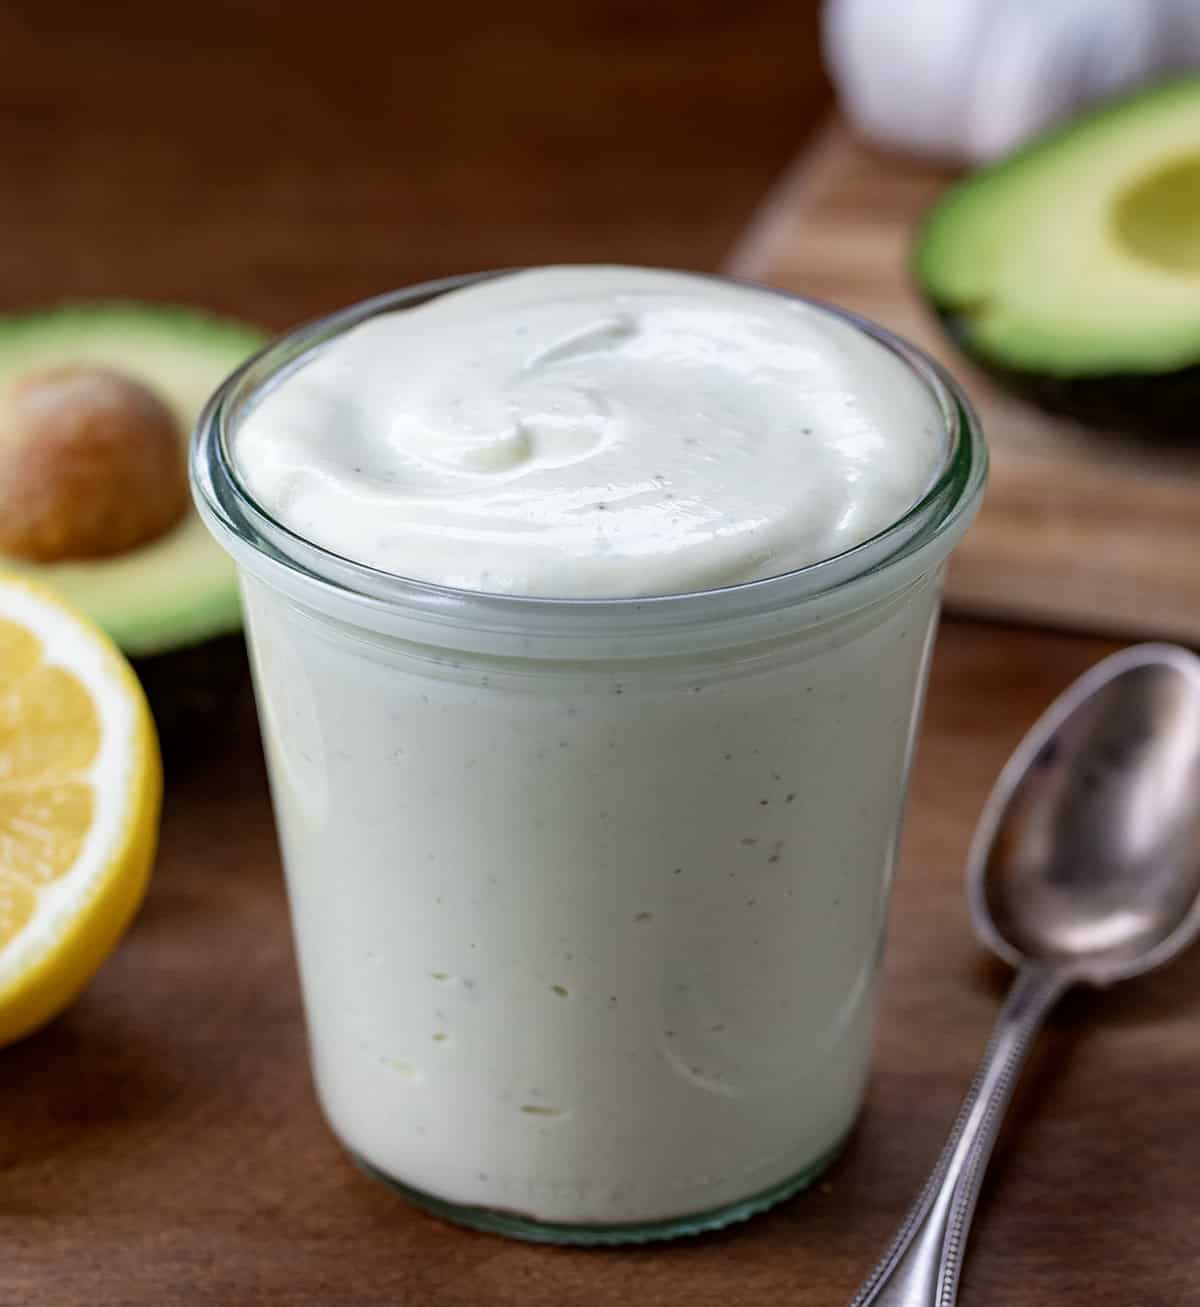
pixel 1079 529
pixel 160 1144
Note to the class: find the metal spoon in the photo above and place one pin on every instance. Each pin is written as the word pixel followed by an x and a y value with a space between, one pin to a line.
pixel 1085 869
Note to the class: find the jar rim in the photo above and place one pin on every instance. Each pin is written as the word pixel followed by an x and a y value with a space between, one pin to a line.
pixel 249 530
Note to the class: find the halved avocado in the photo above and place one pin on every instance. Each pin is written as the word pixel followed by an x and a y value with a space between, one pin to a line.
pixel 171 602
pixel 1071 270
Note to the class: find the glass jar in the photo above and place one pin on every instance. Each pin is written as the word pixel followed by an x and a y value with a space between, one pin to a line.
pixel 588 895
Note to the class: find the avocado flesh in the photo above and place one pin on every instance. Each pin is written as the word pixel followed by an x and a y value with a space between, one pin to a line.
pixel 180 589
pixel 1072 269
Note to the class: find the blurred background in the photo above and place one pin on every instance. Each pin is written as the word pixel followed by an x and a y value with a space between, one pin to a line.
pixel 279 160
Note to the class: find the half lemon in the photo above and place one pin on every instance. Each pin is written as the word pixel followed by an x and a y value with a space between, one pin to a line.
pixel 80 792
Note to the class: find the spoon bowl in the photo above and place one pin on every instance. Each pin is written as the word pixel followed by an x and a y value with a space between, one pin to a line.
pixel 1087 855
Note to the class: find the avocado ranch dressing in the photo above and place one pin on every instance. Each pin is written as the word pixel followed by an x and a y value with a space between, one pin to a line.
pixel 592 942
pixel 594 432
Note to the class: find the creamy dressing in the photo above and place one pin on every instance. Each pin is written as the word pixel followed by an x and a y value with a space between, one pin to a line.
pixel 591 940
pixel 590 944
pixel 594 432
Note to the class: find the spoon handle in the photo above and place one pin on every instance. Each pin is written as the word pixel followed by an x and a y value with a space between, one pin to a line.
pixel 923 1265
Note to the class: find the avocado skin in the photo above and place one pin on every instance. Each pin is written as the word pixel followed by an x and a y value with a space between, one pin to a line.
pixel 1161 405
pixel 194 693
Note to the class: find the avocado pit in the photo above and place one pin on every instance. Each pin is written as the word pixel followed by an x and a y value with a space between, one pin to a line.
pixel 91 465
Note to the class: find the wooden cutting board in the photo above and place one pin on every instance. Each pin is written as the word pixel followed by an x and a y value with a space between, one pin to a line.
pixel 1079 529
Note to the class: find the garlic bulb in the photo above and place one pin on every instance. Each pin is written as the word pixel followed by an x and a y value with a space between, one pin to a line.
pixel 971 79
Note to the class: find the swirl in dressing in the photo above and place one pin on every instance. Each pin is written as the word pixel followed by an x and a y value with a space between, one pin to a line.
pixel 594 432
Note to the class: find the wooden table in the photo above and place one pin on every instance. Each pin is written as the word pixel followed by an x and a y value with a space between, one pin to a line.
pixel 160 1144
